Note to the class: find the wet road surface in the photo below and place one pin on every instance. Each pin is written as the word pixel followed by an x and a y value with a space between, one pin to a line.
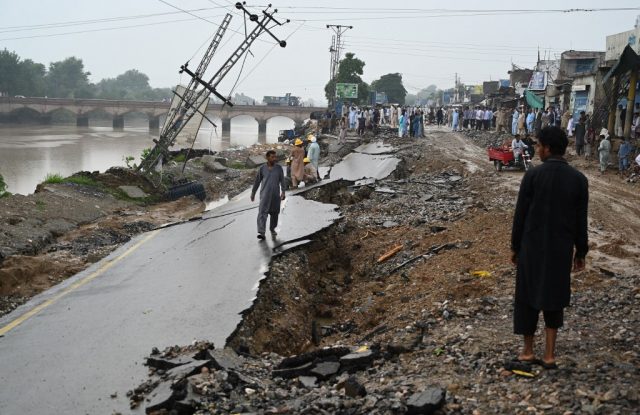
pixel 70 348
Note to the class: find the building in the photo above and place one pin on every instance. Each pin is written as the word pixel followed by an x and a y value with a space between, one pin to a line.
pixel 616 43
pixel 574 85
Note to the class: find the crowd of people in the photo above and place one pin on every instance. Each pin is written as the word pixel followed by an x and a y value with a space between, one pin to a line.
pixel 519 121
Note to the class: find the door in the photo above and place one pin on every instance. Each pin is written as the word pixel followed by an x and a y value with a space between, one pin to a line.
pixel 580 101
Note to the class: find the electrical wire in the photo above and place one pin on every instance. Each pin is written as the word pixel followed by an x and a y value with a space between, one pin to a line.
pixel 99 30
pixel 9 29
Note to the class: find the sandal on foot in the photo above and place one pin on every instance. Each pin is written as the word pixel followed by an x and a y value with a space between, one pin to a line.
pixel 548 366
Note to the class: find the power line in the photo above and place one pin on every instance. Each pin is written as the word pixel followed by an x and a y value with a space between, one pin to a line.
pixel 100 30
pixel 55 25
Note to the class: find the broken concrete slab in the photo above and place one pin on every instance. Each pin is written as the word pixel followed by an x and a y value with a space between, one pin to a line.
pixel 254 161
pixel 324 370
pixel 358 166
pixel 225 359
pixel 293 372
pixel 162 397
pixel 426 402
pixel 133 192
pixel 376 147
pixel 211 164
pixel 321 354
pixel 164 363
pixel 357 360
pixel 188 369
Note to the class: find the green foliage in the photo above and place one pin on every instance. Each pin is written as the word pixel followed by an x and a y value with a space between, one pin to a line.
pixel 3 187
pixel 180 158
pixel 68 79
pixel 21 77
pixel 128 161
pixel 236 164
pixel 349 71
pixel 53 178
pixel 82 180
pixel 40 205
pixel 145 153
pixel 391 84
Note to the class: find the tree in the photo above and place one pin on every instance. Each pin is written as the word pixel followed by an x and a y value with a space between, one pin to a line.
pixel 20 77
pixel 68 79
pixel 391 84
pixel 349 71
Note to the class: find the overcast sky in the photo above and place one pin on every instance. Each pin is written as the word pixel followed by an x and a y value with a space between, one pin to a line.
pixel 426 41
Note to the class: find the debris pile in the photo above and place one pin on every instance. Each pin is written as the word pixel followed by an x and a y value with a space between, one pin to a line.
pixel 339 379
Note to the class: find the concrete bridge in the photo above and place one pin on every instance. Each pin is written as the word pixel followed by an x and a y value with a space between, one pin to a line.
pixel 84 108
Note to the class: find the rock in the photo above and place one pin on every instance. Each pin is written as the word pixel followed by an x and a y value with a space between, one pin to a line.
pixel 353 388
pixel 325 370
pixel 455 178
pixel 426 402
pixel 133 192
pixel 389 224
pixel 308 381
pixel 254 161
pixel 211 164
pixel 225 359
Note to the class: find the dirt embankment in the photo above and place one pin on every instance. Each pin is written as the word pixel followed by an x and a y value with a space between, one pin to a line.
pixel 450 323
pixel 64 227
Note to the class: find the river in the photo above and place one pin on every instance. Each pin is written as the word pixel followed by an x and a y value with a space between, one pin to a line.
pixel 29 152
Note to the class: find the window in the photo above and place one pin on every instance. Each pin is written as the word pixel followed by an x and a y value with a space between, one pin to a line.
pixel 584 65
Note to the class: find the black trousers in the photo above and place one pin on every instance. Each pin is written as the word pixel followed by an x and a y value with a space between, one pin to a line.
pixel 525 319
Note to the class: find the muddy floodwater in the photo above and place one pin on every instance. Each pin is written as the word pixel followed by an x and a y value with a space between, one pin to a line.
pixel 29 152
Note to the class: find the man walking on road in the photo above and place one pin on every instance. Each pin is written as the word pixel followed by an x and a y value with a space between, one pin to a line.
pixel 270 179
pixel 549 221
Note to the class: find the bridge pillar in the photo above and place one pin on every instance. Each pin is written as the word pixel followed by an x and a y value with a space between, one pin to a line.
pixel 82 120
pixel 262 131
pixel 118 122
pixel 154 123
pixel 226 128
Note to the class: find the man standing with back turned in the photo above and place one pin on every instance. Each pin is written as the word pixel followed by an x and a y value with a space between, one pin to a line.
pixel 549 221
pixel 270 179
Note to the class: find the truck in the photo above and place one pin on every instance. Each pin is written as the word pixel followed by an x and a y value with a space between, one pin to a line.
pixel 285 101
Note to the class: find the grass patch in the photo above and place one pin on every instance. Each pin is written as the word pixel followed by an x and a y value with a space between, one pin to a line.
pixel 40 205
pixel 53 178
pixel 83 180
pixel 180 158
pixel 237 164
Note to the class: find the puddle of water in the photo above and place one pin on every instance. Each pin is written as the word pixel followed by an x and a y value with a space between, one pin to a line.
pixel 358 166
pixel 377 147
pixel 216 203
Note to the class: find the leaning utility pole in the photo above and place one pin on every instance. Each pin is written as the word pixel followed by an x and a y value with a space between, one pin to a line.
pixel 336 52
pixel 199 90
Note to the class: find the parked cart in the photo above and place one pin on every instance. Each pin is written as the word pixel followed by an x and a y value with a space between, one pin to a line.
pixel 503 158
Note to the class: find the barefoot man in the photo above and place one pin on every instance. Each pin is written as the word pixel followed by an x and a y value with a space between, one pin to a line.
pixel 270 179
pixel 549 222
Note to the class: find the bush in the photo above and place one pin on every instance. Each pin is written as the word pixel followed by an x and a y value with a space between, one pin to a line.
pixel 3 187
pixel 53 178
